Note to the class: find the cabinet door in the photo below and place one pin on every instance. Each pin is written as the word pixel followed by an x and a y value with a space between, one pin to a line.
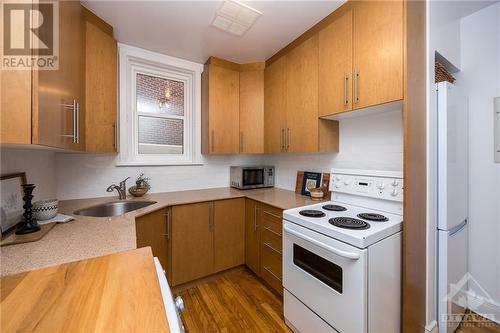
pixel 192 242
pixel 302 97
pixel 335 66
pixel 154 230
pixel 56 125
pixel 100 88
pixel 274 106
pixel 378 52
pixel 229 217
pixel 252 236
pixel 252 111
pixel 223 108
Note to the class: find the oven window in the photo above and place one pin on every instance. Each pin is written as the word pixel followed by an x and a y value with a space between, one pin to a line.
pixel 253 177
pixel 322 269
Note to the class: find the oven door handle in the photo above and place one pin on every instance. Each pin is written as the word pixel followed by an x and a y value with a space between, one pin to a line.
pixel 341 253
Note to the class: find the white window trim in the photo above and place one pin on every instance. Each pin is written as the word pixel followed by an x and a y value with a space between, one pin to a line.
pixel 133 60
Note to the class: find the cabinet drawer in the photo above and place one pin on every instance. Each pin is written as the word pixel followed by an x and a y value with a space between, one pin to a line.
pixel 272 220
pixel 272 241
pixel 271 270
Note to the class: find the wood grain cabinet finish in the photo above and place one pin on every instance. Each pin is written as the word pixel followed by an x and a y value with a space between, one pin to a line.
pixel 274 106
pixel 252 235
pixel 220 109
pixel 154 230
pixel 229 237
pixel 100 85
pixel 56 123
pixel 192 242
pixel 378 52
pixel 252 108
pixel 335 66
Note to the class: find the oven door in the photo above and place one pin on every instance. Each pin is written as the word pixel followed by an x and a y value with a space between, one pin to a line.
pixel 328 276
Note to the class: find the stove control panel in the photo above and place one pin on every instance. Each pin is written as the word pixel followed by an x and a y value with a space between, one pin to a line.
pixel 375 184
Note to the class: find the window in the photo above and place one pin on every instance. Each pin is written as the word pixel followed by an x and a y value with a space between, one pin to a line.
pixel 159 109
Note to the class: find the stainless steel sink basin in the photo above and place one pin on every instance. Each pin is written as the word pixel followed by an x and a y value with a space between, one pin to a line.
pixel 113 208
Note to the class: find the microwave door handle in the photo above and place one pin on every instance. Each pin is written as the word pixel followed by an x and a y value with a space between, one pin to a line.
pixel 341 253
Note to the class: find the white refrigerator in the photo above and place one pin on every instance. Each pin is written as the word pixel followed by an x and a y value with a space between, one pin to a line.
pixel 452 189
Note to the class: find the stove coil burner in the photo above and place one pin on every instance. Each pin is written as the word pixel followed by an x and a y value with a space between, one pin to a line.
pixel 334 208
pixel 373 217
pixel 349 223
pixel 312 213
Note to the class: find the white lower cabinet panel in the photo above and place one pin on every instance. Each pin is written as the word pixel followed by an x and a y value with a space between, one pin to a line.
pixel 301 319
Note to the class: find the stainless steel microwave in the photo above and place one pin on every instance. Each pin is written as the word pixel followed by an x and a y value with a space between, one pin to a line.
pixel 248 177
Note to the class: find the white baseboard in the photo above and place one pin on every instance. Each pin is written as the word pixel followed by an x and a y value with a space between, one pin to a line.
pixel 431 327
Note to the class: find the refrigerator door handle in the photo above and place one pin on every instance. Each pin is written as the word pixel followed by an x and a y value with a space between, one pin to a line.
pixel 458 228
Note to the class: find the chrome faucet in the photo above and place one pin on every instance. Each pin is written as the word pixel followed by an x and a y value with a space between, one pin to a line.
pixel 122 189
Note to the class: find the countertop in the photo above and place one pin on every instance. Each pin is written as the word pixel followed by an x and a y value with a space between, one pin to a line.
pixel 50 299
pixel 88 237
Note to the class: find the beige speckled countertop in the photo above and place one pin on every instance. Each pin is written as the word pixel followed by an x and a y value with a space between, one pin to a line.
pixel 88 237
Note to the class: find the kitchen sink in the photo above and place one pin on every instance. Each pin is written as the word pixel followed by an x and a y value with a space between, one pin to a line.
pixel 113 208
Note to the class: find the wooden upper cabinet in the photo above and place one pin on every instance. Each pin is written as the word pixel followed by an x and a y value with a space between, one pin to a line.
pixel 252 108
pixel 302 97
pixel 378 52
pixel 229 237
pixel 274 106
pixel 56 122
pixel 192 242
pixel 15 107
pixel 335 66
pixel 100 85
pixel 220 109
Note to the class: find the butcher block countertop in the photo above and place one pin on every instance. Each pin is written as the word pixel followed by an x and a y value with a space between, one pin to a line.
pixel 88 237
pixel 114 293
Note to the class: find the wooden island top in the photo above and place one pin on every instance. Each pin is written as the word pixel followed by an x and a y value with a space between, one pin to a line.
pixel 113 293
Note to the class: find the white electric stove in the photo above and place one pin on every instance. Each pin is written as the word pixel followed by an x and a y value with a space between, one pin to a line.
pixel 342 258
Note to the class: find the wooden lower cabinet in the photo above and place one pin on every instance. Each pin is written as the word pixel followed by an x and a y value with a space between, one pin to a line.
pixel 252 236
pixel 192 242
pixel 154 230
pixel 263 242
pixel 229 238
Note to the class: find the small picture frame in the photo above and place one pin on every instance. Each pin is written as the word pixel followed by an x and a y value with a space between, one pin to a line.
pixel 311 180
pixel 11 207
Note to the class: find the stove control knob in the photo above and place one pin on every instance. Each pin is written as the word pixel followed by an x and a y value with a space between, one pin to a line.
pixel 338 178
pixel 394 192
pixel 347 181
pixel 395 182
pixel 380 185
pixel 337 184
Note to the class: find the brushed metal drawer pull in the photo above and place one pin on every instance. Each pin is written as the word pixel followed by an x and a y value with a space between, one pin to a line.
pixel 272 231
pixel 167 218
pixel 272 248
pixel 271 272
pixel 256 209
pixel 346 82
pixel 271 214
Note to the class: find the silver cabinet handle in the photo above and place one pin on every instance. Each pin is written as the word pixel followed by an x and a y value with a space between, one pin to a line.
pixel 213 141
pixel 256 209
pixel 287 138
pixel 356 86
pixel 167 220
pixel 74 108
pixel 115 138
pixel 77 132
pixel 272 231
pixel 346 84
pixel 272 248
pixel 282 145
pixel 271 214
pixel 268 269
pixel 210 218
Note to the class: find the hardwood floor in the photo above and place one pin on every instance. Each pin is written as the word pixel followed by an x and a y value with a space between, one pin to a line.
pixel 233 302
pixel 474 323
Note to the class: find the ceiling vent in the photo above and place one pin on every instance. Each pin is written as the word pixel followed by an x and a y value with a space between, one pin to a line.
pixel 235 17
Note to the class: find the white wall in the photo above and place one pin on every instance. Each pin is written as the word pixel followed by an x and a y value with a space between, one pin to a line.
pixel 40 168
pixel 480 76
pixel 369 142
